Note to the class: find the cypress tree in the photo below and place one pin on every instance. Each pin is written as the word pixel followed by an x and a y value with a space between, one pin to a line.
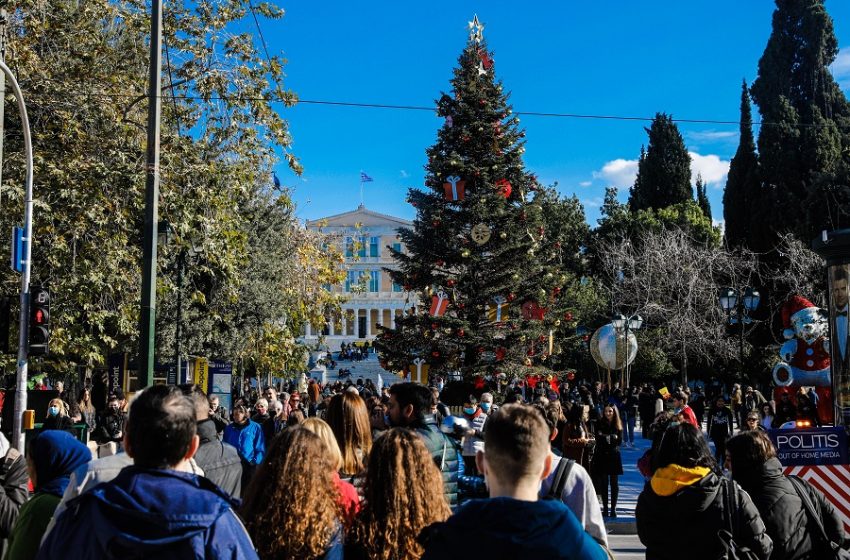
pixel 702 198
pixel 664 170
pixel 804 113
pixel 743 186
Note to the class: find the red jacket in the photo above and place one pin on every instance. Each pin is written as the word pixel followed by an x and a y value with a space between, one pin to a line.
pixel 688 415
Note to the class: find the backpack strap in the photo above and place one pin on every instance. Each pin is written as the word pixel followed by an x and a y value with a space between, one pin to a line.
pixel 800 488
pixel 560 481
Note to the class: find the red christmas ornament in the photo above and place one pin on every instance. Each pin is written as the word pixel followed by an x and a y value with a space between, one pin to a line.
pixel 542 338
pixel 482 102
pixel 541 230
pixel 479 382
pixel 435 354
pixel 441 263
pixel 571 376
pixel 450 283
pixel 407 287
pixel 436 223
pixel 557 291
pixel 480 349
pixel 504 187
pixel 511 297
pixel 585 338
pixel 460 332
pixel 568 316
pixel 500 353
pixel 454 188
pixel 433 326
pixel 557 244
pixel 486 61
pixel 461 305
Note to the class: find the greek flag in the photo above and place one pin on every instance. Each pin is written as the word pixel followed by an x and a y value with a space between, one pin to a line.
pixel 365 178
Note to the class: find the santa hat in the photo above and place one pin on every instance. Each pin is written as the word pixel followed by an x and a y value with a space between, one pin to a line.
pixel 790 308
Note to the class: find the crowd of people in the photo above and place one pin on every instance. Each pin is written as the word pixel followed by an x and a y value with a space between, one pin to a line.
pixel 351 470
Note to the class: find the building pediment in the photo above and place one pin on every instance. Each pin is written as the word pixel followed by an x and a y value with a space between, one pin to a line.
pixel 363 216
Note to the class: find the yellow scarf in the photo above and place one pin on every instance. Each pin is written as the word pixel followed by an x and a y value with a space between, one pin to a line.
pixel 670 479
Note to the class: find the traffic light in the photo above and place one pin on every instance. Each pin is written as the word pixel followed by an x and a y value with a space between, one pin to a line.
pixel 39 328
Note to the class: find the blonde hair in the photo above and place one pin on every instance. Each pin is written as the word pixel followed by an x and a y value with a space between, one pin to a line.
pixel 63 407
pixel 323 430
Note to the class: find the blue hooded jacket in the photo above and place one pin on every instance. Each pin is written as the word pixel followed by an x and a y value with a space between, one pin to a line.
pixel 150 513
pixel 508 529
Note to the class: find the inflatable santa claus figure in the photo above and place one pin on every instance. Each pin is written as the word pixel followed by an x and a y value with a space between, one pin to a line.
pixel 805 354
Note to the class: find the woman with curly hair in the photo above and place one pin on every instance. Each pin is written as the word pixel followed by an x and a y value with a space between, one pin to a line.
pixel 349 501
pixel 404 494
pixel 290 507
pixel 349 420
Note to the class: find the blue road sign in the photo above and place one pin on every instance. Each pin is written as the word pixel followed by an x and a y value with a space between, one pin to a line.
pixel 17 249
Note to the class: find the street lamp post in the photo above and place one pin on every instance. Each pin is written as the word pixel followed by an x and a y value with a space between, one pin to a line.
pixel 625 325
pixel 738 305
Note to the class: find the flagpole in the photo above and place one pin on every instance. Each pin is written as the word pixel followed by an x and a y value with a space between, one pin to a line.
pixel 361 190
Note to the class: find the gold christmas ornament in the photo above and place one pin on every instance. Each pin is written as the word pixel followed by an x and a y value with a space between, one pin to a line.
pixel 503 235
pixel 481 233
pixel 464 253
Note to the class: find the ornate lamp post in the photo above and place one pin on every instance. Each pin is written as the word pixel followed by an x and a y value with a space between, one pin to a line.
pixel 738 305
pixel 624 325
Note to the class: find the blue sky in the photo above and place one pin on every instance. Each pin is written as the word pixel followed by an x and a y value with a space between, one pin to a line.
pixel 613 57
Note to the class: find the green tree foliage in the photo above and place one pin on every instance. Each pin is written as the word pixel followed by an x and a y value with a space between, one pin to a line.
pixel 702 198
pixel 803 143
pixel 83 68
pixel 664 169
pixel 533 240
pixel 743 198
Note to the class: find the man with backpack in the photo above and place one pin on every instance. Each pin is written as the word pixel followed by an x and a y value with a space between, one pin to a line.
pixel 570 483
pixel 513 523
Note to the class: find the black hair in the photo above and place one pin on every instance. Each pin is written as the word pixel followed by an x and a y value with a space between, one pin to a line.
pixel 685 446
pixel 414 394
pixel 161 427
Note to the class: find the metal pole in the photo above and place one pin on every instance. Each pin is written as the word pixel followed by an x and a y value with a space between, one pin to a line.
pixel 148 312
pixel 741 338
pixel 181 261
pixel 23 350
pixel 3 23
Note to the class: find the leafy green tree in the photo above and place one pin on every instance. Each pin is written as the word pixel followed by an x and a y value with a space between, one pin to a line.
pixel 702 198
pixel 803 141
pixel 664 169
pixel 743 197
pixel 83 68
pixel 489 243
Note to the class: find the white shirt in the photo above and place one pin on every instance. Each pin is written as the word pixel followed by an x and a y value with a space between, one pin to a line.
pixel 580 496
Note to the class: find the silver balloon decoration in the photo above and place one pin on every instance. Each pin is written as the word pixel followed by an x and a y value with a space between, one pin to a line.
pixel 609 348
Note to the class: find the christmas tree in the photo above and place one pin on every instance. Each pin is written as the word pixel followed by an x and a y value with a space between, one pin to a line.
pixel 488 276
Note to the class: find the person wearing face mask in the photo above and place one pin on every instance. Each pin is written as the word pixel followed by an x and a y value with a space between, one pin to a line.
pixel 57 417
pixel 473 438
pixel 110 428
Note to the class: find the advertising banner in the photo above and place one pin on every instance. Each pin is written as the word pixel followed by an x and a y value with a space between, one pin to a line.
pixel 816 446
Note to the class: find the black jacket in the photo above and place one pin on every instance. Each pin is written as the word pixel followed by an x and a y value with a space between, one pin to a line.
pixel 58 423
pixel 220 461
pixel 606 456
pixel 784 515
pixel 13 490
pixel 110 427
pixel 686 523
pixel 444 451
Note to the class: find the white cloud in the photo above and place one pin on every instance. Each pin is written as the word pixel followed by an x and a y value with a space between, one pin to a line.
pixel 585 183
pixel 712 135
pixel 719 224
pixel 620 173
pixel 711 167
pixel 404 174
pixel 841 68
pixel 594 202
